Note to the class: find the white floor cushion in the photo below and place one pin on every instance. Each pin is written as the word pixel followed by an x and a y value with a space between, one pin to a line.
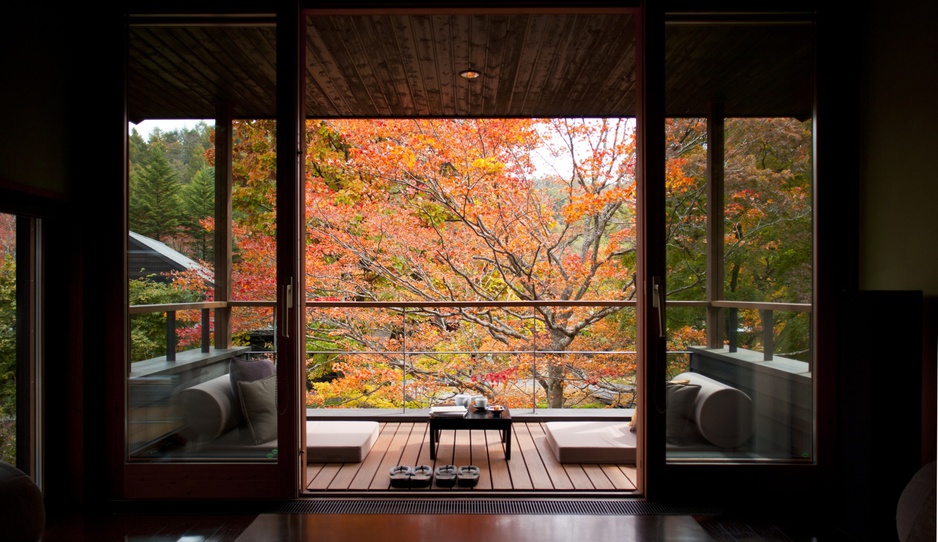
pixel 591 442
pixel 339 441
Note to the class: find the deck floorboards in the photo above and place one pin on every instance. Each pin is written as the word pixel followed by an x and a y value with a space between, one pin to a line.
pixel 532 467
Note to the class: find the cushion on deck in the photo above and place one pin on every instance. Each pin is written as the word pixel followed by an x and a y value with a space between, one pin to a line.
pixel 591 442
pixel 339 441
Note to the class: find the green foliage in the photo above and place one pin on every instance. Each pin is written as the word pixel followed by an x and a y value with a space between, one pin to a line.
pixel 184 149
pixel 148 331
pixel 177 212
pixel 767 226
pixel 137 151
pixel 198 206
pixel 154 198
pixel 8 358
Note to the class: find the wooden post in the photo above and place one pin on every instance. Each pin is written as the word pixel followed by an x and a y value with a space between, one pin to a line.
pixel 206 331
pixel 715 227
pixel 170 335
pixel 768 339
pixel 733 325
pixel 223 167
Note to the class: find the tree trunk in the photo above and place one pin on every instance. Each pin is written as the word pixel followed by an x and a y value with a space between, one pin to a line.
pixel 556 369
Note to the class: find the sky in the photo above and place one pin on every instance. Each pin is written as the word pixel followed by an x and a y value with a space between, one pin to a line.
pixel 544 165
pixel 147 126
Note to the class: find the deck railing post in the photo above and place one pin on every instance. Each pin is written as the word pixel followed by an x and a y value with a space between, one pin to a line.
pixel 733 324
pixel 768 339
pixel 810 342
pixel 206 331
pixel 170 335
pixel 404 354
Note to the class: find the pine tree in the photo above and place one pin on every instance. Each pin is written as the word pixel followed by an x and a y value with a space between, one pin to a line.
pixel 198 204
pixel 154 198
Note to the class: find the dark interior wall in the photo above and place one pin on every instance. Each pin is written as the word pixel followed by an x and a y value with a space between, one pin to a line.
pixel 899 180
pixel 887 341
pixel 61 159
pixel 32 100
pixel 899 187
pixel 878 388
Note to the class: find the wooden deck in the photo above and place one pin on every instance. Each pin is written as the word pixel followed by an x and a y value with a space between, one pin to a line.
pixel 532 467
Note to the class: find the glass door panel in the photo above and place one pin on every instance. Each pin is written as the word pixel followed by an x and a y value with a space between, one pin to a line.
pixel 201 373
pixel 739 215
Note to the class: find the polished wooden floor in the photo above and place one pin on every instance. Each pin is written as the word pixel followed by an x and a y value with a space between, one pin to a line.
pixel 532 471
pixel 473 528
pixel 532 466
pixel 232 526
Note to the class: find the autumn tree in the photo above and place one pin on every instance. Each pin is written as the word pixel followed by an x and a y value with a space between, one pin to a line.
pixel 254 233
pixel 767 225
pixel 450 211
pixel 768 216
pixel 425 211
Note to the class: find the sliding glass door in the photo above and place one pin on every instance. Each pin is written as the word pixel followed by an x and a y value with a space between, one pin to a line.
pixel 209 315
pixel 740 245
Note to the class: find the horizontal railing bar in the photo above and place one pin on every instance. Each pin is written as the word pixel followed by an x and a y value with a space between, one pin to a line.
pixel 758 305
pixel 686 303
pixel 143 309
pixel 234 303
pixel 468 304
pixel 485 353
pixel 763 306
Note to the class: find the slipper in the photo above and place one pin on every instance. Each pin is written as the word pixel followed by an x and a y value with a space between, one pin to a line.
pixel 446 475
pixel 421 476
pixel 400 476
pixel 467 475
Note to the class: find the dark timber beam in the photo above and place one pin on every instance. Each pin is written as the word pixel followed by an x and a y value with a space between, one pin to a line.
pixel 223 180
pixel 716 328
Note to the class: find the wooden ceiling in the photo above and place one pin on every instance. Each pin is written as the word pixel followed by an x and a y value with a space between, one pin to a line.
pixel 407 65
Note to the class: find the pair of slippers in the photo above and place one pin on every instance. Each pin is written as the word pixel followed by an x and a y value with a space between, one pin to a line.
pixel 403 476
pixel 450 475
pixel 406 477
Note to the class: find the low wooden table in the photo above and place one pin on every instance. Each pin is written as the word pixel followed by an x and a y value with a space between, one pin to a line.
pixel 474 419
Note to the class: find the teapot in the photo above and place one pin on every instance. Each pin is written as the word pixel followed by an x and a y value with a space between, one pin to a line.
pixel 462 399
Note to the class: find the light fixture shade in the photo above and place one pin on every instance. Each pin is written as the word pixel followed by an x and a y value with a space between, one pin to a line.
pixel 470 74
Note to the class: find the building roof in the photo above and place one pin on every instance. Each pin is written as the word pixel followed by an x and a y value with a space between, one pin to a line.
pixel 147 256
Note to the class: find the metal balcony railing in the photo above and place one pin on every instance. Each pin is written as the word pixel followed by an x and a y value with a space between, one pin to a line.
pixel 731 308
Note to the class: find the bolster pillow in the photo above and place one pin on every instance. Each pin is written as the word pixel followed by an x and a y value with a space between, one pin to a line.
pixel 208 409
pixel 723 414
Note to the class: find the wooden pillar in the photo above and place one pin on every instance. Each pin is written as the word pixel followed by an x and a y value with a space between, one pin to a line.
pixel 650 195
pixel 716 327
pixel 223 180
pixel 291 257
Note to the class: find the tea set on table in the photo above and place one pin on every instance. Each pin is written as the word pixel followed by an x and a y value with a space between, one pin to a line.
pixel 477 402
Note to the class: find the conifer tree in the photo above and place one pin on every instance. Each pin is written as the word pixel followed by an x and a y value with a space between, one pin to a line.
pixel 198 204
pixel 154 198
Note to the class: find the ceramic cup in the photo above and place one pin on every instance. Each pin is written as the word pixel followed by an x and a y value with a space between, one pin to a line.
pixel 481 401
